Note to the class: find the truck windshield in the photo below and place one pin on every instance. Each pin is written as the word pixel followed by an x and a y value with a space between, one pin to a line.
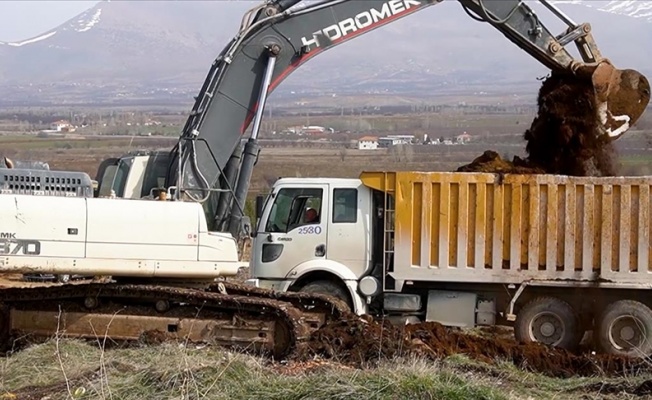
pixel 294 207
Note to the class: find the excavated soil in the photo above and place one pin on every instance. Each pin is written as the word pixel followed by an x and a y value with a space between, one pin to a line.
pixel 491 162
pixel 563 138
pixel 360 342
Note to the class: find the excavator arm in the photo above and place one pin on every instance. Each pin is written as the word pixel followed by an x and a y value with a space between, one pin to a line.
pixel 209 163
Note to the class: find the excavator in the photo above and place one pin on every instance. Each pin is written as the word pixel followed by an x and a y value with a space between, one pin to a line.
pixel 165 225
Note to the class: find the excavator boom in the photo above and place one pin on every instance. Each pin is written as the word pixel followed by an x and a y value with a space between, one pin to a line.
pixel 275 39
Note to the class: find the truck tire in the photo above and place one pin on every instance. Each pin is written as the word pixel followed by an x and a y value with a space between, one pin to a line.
pixel 328 288
pixel 625 328
pixel 550 321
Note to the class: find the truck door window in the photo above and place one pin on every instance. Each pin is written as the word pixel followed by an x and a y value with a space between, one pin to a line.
pixel 345 205
pixel 294 207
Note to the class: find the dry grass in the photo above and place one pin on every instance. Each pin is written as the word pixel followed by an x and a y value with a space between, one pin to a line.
pixel 64 369
pixel 178 371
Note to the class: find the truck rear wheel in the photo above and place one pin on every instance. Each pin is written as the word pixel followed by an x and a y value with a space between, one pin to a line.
pixel 550 321
pixel 625 328
pixel 328 288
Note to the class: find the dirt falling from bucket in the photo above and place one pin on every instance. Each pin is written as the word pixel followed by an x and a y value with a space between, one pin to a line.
pixel 564 137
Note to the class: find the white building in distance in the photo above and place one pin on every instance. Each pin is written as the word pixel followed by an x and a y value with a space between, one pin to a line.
pixel 394 140
pixel 61 126
pixel 368 143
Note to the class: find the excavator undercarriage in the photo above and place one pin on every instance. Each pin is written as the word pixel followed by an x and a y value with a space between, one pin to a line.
pixel 227 314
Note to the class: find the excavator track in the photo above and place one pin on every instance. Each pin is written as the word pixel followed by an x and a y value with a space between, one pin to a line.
pixel 231 315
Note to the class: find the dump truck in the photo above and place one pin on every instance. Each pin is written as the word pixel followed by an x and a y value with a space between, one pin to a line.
pixel 552 256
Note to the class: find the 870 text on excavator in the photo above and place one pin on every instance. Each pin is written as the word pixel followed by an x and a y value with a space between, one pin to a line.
pixel 165 225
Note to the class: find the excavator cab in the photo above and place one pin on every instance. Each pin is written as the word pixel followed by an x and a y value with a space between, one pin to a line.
pixel 136 175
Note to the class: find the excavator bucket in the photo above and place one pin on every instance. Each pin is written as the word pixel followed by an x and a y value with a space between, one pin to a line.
pixel 621 97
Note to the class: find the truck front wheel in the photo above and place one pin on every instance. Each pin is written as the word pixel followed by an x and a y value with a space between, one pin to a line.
pixel 328 288
pixel 550 321
pixel 625 328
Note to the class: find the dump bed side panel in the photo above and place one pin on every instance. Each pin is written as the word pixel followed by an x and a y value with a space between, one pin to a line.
pixel 476 227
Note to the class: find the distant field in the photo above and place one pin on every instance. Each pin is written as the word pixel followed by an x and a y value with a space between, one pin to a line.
pixel 498 129
pixel 316 161
pixel 86 155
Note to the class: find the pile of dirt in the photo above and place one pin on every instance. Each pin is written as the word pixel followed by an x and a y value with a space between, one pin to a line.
pixel 491 162
pixel 363 341
pixel 564 137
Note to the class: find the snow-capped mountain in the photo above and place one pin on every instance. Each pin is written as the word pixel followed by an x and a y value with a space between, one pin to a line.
pixel 84 22
pixel 630 8
pixel 162 49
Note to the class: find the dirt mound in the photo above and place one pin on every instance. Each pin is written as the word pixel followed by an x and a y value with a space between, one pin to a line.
pixel 490 161
pixel 364 341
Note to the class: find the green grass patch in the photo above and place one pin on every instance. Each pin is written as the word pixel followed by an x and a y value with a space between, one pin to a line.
pixel 176 371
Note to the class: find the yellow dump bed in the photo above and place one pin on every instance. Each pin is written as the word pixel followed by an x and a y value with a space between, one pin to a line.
pixel 478 227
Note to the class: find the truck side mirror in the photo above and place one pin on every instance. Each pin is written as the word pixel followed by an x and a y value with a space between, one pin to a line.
pixel 260 203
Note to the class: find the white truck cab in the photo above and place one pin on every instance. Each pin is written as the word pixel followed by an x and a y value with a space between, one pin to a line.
pixel 300 221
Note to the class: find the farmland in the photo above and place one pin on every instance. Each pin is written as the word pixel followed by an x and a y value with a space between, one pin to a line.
pixel 500 130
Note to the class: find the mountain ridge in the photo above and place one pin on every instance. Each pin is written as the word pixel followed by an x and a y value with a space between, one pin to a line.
pixel 140 51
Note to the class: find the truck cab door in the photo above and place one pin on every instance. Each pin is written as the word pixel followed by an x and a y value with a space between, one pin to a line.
pixel 292 230
pixel 349 231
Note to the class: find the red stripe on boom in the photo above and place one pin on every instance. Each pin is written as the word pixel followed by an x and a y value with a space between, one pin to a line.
pixel 307 56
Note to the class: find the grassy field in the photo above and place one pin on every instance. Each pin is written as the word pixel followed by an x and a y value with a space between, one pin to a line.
pixel 66 369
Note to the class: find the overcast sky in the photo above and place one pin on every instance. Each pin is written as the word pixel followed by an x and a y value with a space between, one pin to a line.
pixel 27 18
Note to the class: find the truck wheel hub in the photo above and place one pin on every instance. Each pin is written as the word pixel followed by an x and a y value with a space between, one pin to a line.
pixel 626 332
pixel 547 328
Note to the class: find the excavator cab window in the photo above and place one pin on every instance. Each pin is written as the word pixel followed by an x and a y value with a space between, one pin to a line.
pixel 155 172
pixel 294 207
pixel 121 175
pixel 113 175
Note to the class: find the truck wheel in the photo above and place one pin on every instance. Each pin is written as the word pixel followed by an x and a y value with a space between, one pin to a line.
pixel 625 328
pixel 328 288
pixel 550 321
